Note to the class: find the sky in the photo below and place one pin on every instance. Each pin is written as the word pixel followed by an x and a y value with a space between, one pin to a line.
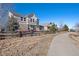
pixel 59 13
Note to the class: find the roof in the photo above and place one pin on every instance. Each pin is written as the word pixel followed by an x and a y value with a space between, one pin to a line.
pixel 30 15
pixel 18 15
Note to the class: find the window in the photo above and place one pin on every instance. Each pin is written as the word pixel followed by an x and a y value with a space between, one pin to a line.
pixel 33 20
pixel 30 20
pixel 21 18
pixel 24 19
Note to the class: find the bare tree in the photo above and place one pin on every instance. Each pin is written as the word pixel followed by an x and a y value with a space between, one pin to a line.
pixel 4 8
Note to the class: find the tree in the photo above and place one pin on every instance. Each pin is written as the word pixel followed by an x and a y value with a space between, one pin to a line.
pixel 53 28
pixel 65 28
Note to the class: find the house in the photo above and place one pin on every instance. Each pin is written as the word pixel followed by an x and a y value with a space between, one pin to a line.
pixel 13 19
pixel 41 28
pixel 46 26
pixel 32 22
pixel 76 27
pixel 26 23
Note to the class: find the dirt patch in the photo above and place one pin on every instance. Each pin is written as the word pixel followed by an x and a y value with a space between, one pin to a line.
pixel 36 45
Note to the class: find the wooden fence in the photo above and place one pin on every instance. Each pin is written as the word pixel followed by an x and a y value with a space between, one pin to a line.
pixel 17 34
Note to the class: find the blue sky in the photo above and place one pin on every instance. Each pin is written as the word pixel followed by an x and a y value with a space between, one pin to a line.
pixel 51 12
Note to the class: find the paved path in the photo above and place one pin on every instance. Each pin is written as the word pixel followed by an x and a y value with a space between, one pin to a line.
pixel 62 45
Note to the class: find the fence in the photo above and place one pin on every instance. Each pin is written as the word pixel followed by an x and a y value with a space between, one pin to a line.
pixel 17 34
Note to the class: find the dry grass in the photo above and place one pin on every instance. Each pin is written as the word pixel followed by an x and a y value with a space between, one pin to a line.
pixel 36 45
pixel 41 49
pixel 75 37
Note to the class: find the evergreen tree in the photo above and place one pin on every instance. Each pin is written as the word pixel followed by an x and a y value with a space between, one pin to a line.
pixel 65 28
pixel 53 28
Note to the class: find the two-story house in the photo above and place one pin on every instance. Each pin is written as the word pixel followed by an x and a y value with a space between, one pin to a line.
pixel 26 23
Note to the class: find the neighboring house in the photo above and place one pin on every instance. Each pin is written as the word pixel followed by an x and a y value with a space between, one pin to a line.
pixel 77 29
pixel 46 26
pixel 41 28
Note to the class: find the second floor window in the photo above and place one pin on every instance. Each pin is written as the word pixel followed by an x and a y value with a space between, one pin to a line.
pixel 24 19
pixel 21 18
pixel 33 20
pixel 30 20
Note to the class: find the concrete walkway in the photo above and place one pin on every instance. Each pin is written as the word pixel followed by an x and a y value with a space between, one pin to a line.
pixel 62 45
